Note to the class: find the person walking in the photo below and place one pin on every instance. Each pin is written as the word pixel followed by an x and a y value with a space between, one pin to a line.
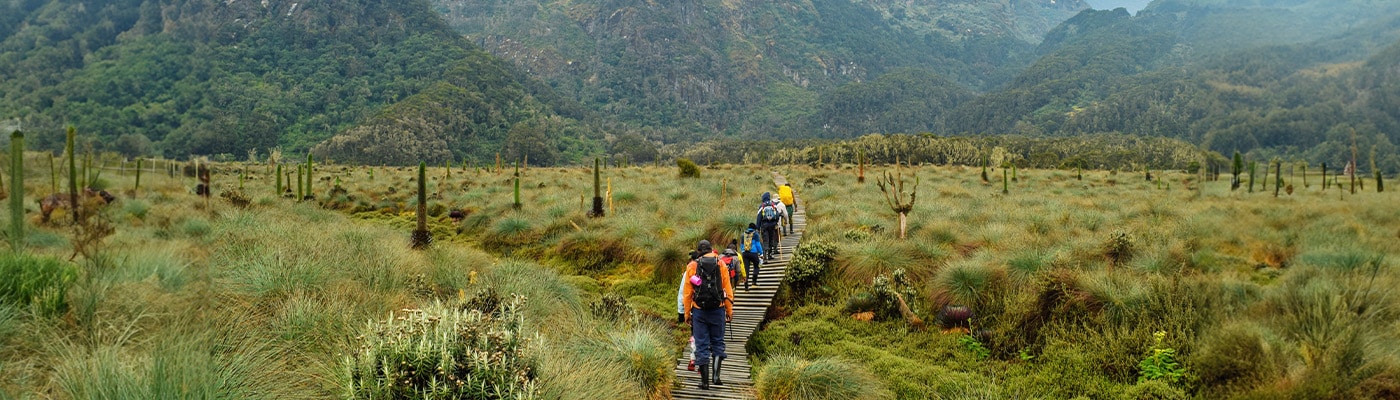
pixel 789 199
pixel 709 306
pixel 769 215
pixel 731 257
pixel 753 253
pixel 680 292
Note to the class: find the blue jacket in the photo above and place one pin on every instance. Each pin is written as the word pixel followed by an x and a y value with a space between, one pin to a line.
pixel 755 242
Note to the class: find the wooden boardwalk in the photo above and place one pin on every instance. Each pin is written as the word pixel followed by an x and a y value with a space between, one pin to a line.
pixel 750 307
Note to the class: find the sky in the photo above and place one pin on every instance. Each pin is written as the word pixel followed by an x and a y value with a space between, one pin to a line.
pixel 1132 5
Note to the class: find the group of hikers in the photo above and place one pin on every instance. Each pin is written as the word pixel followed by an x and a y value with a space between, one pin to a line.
pixel 705 298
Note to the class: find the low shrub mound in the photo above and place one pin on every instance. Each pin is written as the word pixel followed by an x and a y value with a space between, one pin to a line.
pixel 445 352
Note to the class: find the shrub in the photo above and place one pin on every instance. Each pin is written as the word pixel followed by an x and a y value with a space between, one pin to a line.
pixel 810 263
pixel 790 378
pixel 688 168
pixel 1119 248
pixel 40 283
pixel 443 352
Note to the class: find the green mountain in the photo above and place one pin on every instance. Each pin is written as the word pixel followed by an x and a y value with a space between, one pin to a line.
pixel 183 77
pixel 756 69
pixel 1322 100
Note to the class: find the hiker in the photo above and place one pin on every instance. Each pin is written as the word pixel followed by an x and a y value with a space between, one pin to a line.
pixel 769 215
pixel 735 263
pixel 708 307
pixel 680 293
pixel 752 254
pixel 789 199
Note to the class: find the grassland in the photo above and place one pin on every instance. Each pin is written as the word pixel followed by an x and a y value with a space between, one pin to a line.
pixel 1257 296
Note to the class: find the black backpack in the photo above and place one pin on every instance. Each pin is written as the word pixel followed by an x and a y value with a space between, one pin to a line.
pixel 710 294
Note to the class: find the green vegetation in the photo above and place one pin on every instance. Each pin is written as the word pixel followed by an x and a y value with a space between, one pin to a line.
pixel 1070 282
pixel 1066 284
pixel 188 299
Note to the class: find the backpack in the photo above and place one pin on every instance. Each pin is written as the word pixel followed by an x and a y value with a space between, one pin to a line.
pixel 710 294
pixel 770 213
pixel 731 261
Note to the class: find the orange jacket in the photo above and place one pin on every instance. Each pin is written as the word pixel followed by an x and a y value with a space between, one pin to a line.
pixel 689 298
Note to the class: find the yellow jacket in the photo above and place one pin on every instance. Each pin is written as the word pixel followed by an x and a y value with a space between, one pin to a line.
pixel 689 297
pixel 785 195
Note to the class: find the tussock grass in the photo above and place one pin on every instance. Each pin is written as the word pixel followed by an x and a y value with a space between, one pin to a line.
pixel 791 378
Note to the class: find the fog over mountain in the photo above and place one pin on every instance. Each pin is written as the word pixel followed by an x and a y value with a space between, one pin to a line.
pixel 1133 6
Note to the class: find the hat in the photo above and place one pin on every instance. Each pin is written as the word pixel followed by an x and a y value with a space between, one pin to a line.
pixel 703 247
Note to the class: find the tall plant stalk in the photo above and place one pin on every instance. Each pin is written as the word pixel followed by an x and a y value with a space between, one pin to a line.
pixel 73 176
pixel 516 205
pixel 309 168
pixel 597 190
pixel 137 187
pixel 861 178
pixel 17 191
pixel 421 237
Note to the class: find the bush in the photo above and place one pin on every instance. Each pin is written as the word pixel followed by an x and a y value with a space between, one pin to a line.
pixel 40 283
pixel 443 352
pixel 810 263
pixel 792 378
pixel 688 168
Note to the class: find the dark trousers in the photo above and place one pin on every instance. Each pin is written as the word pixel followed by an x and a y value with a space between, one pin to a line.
pixel 707 327
pixel 751 263
pixel 770 238
pixel 790 210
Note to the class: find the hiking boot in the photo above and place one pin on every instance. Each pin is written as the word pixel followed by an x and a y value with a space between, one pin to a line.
pixel 718 363
pixel 704 377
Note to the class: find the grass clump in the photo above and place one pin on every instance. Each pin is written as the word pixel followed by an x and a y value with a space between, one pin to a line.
pixel 444 352
pixel 648 362
pixel 38 282
pixel 787 377
pixel 182 367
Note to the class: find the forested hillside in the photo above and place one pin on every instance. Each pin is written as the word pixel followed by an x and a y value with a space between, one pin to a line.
pixel 233 77
pixel 1106 71
pixel 756 69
